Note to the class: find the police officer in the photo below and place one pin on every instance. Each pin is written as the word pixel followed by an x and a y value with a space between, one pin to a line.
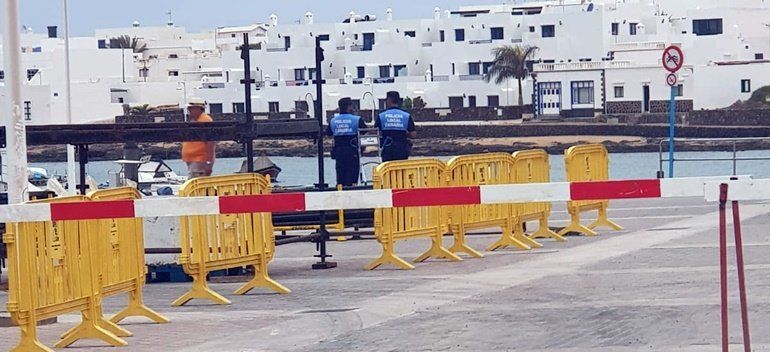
pixel 396 127
pixel 344 127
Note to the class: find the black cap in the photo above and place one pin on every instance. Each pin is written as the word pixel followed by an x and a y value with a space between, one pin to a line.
pixel 394 97
pixel 344 104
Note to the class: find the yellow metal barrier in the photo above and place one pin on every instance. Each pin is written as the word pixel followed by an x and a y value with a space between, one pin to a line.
pixel 477 170
pixel 533 166
pixel 395 224
pixel 585 163
pixel 54 270
pixel 222 242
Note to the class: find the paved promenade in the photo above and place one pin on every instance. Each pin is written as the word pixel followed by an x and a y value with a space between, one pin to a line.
pixel 651 287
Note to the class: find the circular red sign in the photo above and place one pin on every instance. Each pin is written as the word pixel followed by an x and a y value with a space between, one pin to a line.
pixel 673 59
pixel 671 79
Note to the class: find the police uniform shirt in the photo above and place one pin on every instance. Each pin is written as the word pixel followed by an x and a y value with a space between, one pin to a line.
pixel 395 124
pixel 344 128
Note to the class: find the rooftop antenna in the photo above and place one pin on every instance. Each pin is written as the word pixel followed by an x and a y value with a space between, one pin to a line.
pixel 170 22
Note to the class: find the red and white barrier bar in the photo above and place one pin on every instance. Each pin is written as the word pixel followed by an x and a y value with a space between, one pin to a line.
pixel 345 200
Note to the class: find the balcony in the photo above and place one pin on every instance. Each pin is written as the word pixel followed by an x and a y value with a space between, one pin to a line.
pixel 583 66
pixel 277 50
pixel 296 83
pixel 441 78
pixel 480 41
pixel 427 45
pixel 639 46
pixel 471 77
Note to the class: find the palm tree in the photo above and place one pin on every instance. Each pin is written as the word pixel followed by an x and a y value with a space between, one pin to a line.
pixel 511 62
pixel 126 42
pixel 142 110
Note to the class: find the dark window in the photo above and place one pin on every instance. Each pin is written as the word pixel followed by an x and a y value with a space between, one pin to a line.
pixel 474 68
pixel 400 71
pixel 274 106
pixel 410 34
pixel 31 73
pixel 102 44
pixel 497 33
pixel 707 27
pixel 632 28
pixel 323 37
pixel 548 31
pixel 28 110
pixel 620 92
pixel 487 66
pixel 356 104
pixel 459 35
pixel 215 108
pixel 173 56
pixel 299 74
pixel 583 92
pixel 144 72
pixel 381 104
pixel 471 101
pixel 384 71
pixel 2 75
pixel 361 71
pixel 759 56
pixel 615 28
pixel 239 108
pixel 301 106
pixel 311 74
pixel 368 41
pixel 173 73
pixel 287 42
pixel 456 102
pixel 679 90
pixel 532 29
pixel 745 86
pixel 442 36
pixel 493 101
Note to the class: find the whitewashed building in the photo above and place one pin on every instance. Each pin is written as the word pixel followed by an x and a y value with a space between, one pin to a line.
pixel 600 56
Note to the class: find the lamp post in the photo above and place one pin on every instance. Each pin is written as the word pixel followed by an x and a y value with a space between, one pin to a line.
pixel 68 102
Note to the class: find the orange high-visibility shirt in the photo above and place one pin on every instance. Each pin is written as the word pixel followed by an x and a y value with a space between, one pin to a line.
pixel 199 152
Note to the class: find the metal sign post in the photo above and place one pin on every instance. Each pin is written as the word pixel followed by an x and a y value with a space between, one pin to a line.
pixel 673 59
pixel 248 141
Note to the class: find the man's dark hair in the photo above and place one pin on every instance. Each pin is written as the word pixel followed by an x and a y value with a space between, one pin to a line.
pixel 394 97
pixel 344 105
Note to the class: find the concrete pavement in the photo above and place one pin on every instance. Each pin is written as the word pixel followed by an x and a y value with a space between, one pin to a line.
pixel 651 287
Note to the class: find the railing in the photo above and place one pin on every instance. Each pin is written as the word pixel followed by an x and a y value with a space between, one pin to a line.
pixel 640 46
pixel 427 45
pixel 471 77
pixel 480 41
pixel 357 48
pixel 276 50
pixel 725 142
pixel 578 66
pixel 296 83
pixel 441 78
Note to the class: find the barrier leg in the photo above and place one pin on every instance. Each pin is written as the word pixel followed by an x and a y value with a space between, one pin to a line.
pixel 575 225
pixel 261 279
pixel 741 277
pixel 604 221
pixel 200 290
pixel 136 308
pixel 460 246
pixel 437 251
pixel 518 233
pixel 545 231
pixel 507 240
pixel 90 329
pixel 28 341
pixel 389 257
pixel 100 321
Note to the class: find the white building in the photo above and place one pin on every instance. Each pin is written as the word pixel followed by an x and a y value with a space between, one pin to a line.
pixel 594 57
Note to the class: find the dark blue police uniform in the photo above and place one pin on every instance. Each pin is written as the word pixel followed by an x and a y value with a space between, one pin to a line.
pixel 395 125
pixel 344 128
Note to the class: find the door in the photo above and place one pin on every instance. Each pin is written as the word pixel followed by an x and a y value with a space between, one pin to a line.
pixel 646 99
pixel 368 41
pixel 549 94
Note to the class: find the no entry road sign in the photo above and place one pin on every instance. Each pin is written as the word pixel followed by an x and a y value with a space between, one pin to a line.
pixel 671 79
pixel 673 59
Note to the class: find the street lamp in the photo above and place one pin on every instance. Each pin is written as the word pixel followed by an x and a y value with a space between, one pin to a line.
pixel 68 102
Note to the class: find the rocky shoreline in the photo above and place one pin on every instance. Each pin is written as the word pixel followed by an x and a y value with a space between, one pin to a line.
pixel 449 146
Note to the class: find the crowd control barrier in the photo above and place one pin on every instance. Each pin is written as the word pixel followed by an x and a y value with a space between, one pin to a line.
pixel 478 170
pixel 588 163
pixel 400 223
pixel 54 270
pixel 533 166
pixel 219 242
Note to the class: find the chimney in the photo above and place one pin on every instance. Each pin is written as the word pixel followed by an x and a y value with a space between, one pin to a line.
pixel 52 32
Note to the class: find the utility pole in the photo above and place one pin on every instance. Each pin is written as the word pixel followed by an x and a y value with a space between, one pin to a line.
pixel 16 134
pixel 71 164
pixel 249 121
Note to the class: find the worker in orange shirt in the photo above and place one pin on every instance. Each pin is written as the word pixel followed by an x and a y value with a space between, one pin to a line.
pixel 199 156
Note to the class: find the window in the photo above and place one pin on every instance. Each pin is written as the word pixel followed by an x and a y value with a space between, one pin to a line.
pixel 493 101
pixel 369 40
pixel 323 37
pixel 745 86
pixel 361 71
pixel 410 34
pixel 582 92
pixel 301 106
pixel 548 31
pixel 28 110
pixel 759 56
pixel 620 92
pixel 216 108
pixel 384 71
pixel 632 28
pixel 101 44
pixel 173 56
pixel 615 28
pixel 454 71
pixel 311 74
pixel 471 101
pixel 474 68
pixel 487 66
pixel 287 42
pixel 707 27
pixel 2 76
pixel 239 108
pixel 299 74
pixel 356 104
pixel 381 104
pixel 442 36
pixel 400 71
pixel 532 29
pixel 31 73
pixel 679 90
pixel 459 35
pixel 456 102
pixel 173 73
pixel 274 107
pixel 144 72
pixel 497 33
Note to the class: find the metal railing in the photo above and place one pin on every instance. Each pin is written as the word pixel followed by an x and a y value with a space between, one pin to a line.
pixel 727 145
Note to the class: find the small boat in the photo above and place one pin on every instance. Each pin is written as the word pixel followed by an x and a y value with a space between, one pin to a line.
pixel 156 174
pixel 263 166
